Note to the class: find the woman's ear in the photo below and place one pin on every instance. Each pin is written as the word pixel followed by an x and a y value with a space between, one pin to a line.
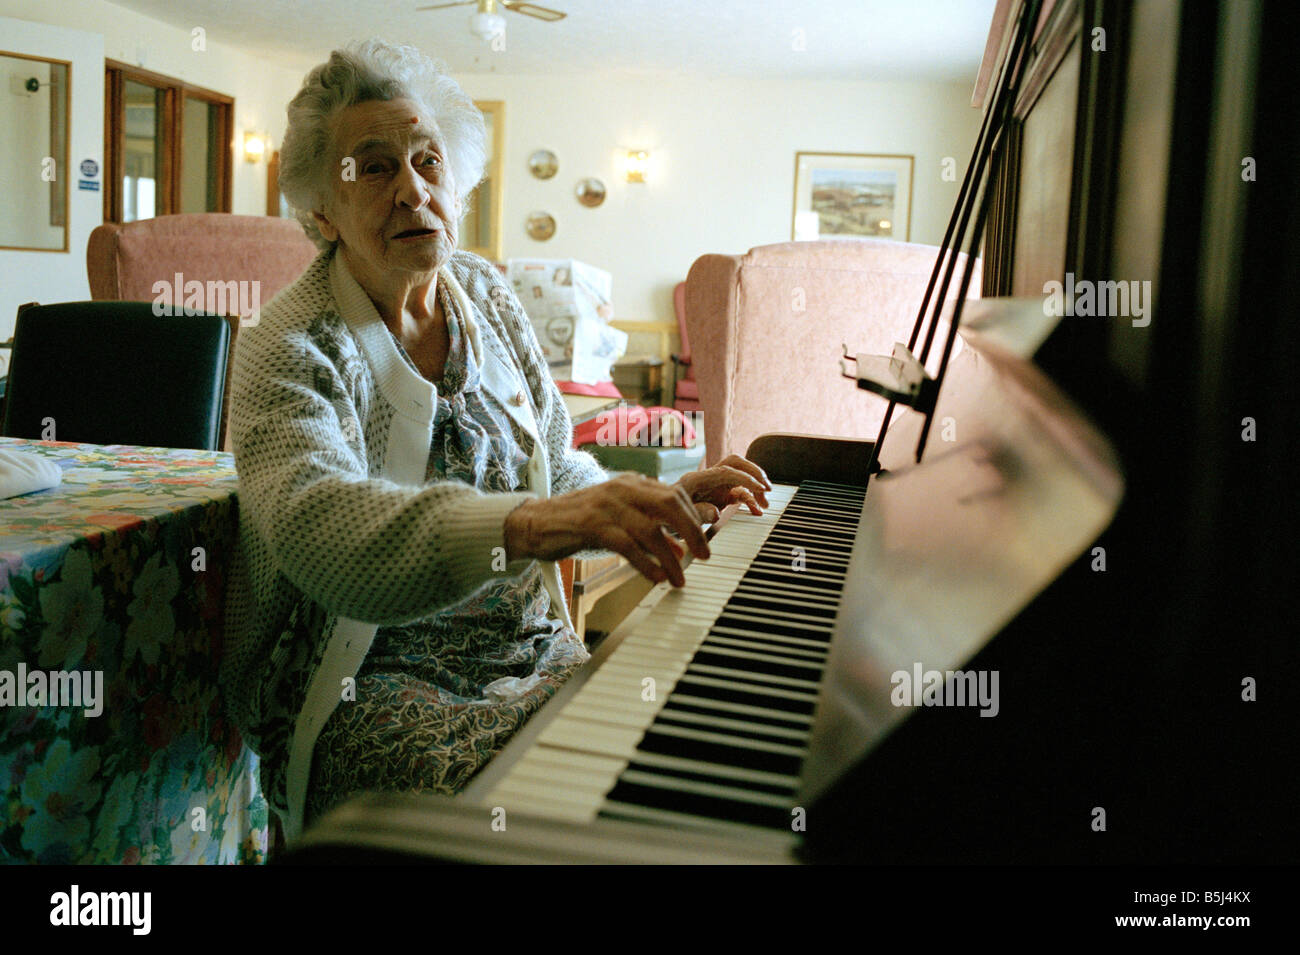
pixel 325 226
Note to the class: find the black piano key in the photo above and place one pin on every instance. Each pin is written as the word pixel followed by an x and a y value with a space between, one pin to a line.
pixel 813 533
pixel 694 805
pixel 748 729
pixel 756 603
pixel 778 604
pixel 762 616
pixel 783 572
pixel 786 628
pixel 834 510
pixel 670 744
pixel 751 678
pixel 743 663
pixel 787 591
pixel 758 633
pixel 834 513
pixel 796 647
pixel 730 692
pixel 718 657
pixel 705 773
pixel 797 568
pixel 693 703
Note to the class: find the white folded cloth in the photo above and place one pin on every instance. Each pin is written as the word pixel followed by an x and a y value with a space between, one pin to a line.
pixel 22 472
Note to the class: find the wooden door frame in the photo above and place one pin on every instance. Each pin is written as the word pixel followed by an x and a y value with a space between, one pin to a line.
pixel 116 73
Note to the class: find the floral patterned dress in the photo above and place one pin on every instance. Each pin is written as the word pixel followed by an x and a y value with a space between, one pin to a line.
pixel 436 698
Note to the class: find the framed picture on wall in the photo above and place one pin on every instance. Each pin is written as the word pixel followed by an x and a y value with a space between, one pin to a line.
pixel 839 195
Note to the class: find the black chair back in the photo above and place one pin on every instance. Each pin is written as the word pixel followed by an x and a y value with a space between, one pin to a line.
pixel 116 373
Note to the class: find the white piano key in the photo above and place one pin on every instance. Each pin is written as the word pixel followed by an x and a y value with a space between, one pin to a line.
pixel 541 800
pixel 779 840
pixel 567 760
pixel 601 738
pixel 570 780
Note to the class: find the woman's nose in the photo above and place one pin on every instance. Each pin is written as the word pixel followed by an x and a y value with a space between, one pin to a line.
pixel 410 189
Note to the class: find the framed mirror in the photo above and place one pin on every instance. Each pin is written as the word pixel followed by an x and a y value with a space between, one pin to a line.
pixel 34 152
pixel 480 230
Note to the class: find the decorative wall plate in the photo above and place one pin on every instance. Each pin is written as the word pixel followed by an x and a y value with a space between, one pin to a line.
pixel 543 164
pixel 540 226
pixel 590 192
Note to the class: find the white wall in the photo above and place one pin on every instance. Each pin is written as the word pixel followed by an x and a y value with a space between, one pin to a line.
pixel 723 150
pixel 723 153
pixel 85 32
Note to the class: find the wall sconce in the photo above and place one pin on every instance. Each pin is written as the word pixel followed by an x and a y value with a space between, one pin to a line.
pixel 254 147
pixel 638 165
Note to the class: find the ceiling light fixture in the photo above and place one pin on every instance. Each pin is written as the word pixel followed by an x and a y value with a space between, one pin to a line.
pixel 487 26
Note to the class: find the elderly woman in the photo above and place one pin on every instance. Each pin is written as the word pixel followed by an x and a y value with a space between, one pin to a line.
pixel 406 475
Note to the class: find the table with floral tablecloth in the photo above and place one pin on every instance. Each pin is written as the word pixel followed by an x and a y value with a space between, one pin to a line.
pixel 121 570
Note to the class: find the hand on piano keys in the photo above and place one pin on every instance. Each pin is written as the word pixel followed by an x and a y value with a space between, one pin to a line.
pixel 736 660
pixel 634 516
pixel 734 480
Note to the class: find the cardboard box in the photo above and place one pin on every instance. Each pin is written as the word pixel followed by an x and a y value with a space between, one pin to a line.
pixel 568 303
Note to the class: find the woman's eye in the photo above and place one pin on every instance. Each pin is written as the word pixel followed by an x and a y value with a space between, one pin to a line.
pixel 432 161
pixel 371 167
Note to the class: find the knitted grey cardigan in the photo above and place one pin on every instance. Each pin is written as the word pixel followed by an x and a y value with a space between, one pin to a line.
pixel 338 531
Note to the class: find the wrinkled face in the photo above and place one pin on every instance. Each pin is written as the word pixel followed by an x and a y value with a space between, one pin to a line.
pixel 399 214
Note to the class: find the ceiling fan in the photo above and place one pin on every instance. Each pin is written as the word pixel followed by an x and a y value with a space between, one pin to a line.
pixel 487 23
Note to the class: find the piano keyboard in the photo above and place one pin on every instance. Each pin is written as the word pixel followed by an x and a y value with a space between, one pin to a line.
pixel 702 714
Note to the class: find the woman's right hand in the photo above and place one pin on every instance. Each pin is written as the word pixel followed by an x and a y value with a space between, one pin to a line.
pixel 627 514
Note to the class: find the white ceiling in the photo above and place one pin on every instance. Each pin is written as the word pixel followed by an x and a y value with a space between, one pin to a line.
pixel 843 39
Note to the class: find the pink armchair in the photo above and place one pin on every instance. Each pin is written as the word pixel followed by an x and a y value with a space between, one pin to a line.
pixel 125 261
pixel 766 329
pixel 686 390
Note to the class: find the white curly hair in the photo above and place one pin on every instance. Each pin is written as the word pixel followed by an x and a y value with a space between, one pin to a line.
pixel 359 73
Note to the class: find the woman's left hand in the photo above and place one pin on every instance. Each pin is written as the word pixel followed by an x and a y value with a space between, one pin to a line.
pixel 733 480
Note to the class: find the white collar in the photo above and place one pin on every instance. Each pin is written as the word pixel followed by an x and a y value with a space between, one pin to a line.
pixel 411 394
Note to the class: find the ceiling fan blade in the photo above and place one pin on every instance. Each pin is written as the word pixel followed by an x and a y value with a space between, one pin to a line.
pixel 533 10
pixel 444 6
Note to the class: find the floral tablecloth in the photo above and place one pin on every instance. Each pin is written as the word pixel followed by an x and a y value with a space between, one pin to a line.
pixel 120 571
